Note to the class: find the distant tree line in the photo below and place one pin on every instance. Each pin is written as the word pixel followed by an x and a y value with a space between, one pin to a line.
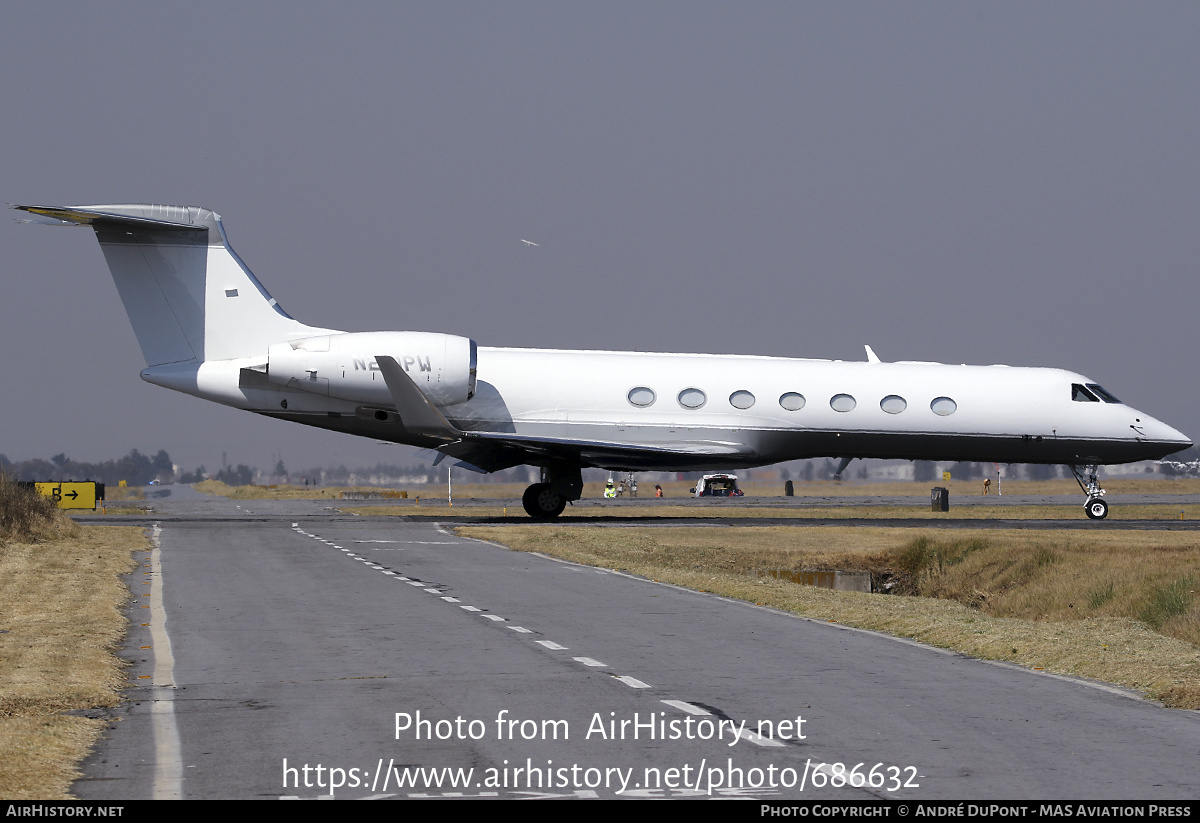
pixel 135 468
pixel 340 475
pixel 138 469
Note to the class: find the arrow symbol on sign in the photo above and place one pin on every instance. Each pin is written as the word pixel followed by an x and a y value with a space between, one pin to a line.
pixel 72 494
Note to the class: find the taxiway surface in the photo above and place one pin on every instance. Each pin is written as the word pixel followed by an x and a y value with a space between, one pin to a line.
pixel 297 634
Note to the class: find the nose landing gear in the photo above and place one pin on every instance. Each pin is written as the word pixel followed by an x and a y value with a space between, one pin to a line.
pixel 1095 507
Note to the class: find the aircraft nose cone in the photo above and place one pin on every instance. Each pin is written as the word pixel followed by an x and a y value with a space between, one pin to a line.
pixel 1165 439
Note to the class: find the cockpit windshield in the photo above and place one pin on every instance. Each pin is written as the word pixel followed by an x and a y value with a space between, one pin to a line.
pixel 1091 393
pixel 1104 395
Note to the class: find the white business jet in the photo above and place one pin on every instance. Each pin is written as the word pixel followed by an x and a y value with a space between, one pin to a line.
pixel 207 327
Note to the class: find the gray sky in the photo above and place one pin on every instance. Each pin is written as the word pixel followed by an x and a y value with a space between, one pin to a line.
pixel 981 183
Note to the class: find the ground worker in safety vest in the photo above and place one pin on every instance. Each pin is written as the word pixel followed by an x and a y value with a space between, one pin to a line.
pixel 609 490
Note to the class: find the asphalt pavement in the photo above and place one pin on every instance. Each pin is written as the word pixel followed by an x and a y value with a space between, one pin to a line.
pixel 296 651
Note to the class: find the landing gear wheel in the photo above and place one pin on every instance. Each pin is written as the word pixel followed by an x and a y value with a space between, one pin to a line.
pixel 1096 508
pixel 542 503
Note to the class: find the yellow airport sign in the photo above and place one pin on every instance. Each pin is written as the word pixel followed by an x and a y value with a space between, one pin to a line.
pixel 69 495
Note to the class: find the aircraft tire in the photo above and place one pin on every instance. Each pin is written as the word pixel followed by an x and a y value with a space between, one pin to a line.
pixel 1096 508
pixel 541 503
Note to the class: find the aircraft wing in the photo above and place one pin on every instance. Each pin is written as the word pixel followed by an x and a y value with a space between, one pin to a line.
pixel 609 454
pixel 492 451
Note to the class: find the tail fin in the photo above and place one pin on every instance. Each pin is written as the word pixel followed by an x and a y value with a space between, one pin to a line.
pixel 189 297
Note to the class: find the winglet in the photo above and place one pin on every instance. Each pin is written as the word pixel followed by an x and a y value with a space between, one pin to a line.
pixel 417 414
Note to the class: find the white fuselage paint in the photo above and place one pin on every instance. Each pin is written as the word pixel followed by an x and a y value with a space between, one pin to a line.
pixel 1003 414
pixel 588 388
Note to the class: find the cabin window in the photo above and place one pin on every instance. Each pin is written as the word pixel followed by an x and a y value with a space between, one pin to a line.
pixel 741 399
pixel 1080 394
pixel 943 406
pixel 842 403
pixel 1107 397
pixel 792 401
pixel 893 404
pixel 692 398
pixel 641 396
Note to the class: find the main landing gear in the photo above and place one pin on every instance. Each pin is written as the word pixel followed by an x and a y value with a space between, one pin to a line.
pixel 1095 507
pixel 542 502
pixel 561 483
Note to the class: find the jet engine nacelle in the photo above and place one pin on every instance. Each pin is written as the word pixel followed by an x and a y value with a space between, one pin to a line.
pixel 343 365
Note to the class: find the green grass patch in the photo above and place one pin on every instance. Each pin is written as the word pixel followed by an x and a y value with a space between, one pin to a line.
pixel 1167 600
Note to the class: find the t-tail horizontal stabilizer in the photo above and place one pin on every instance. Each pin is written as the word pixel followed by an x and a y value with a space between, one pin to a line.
pixel 189 297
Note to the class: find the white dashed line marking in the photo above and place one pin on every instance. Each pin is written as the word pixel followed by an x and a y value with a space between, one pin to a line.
pixel 631 682
pixel 687 707
pixel 752 737
pixel 548 644
pixel 759 740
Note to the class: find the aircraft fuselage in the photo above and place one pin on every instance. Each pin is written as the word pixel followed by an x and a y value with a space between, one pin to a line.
pixel 702 411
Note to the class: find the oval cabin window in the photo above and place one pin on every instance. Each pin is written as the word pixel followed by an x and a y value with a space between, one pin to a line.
pixel 842 403
pixel 692 398
pixel 641 396
pixel 943 406
pixel 893 404
pixel 792 401
pixel 741 399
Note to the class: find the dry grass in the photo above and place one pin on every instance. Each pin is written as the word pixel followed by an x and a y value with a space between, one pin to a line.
pixel 27 516
pixel 60 620
pixel 279 492
pixel 1147 576
pixel 734 509
pixel 1102 605
pixel 859 488
pixel 121 494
